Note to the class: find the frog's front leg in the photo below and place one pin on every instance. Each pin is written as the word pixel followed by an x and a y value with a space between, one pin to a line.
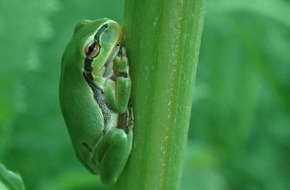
pixel 118 90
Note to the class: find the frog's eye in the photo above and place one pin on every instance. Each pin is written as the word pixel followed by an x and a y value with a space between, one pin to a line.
pixel 92 49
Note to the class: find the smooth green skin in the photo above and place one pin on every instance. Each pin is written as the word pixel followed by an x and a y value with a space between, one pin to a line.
pixel 104 152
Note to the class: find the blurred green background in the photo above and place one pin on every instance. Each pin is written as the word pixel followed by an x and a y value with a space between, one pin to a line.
pixel 239 136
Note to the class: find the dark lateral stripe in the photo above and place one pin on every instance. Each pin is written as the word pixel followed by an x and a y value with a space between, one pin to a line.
pixel 88 64
pixel 100 31
pixel 99 97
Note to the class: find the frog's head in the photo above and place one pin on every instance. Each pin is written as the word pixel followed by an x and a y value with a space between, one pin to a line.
pixel 94 43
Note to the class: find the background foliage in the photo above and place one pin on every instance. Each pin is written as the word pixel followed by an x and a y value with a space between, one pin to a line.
pixel 240 126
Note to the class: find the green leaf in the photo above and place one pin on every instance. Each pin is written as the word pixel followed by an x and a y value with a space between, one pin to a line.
pixel 10 180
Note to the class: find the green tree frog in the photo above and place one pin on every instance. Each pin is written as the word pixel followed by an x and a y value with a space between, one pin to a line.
pixel 95 88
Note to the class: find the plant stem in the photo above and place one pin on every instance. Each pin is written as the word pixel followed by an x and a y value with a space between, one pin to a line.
pixel 162 39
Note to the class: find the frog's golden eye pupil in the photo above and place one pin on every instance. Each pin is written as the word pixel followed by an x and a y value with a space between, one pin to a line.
pixel 92 49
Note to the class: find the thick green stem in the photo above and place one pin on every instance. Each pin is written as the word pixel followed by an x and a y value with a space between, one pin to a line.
pixel 162 39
